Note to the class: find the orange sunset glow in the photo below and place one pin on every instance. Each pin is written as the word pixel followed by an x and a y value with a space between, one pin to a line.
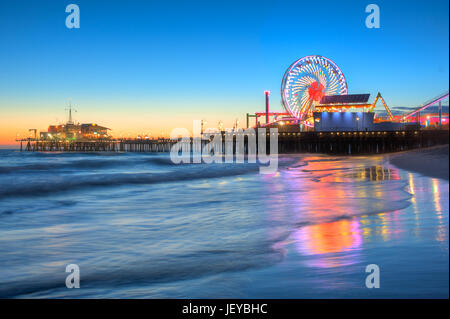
pixel 123 120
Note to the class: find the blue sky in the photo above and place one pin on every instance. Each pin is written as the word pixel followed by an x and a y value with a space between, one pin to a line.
pixel 210 58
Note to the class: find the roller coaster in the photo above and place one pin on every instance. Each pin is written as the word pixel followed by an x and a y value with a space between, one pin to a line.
pixel 412 115
pixel 427 104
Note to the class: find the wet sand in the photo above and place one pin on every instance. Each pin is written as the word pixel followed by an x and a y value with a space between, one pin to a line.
pixel 432 162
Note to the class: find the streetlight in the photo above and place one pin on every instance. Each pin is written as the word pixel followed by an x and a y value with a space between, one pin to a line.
pixel 266 94
pixel 357 124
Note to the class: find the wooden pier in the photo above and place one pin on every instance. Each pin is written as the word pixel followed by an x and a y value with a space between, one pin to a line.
pixel 339 143
pixel 359 143
pixel 98 145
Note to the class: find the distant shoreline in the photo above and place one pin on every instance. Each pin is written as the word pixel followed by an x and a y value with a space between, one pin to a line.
pixel 431 162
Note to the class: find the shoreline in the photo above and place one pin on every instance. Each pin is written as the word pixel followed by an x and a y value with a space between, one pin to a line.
pixel 431 161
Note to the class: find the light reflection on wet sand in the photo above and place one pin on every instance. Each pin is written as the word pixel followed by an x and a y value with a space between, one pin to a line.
pixel 339 193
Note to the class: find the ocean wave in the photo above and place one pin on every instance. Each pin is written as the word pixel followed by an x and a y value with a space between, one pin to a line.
pixel 154 270
pixel 53 184
pixel 391 206
pixel 98 163
pixel 86 176
pixel 80 164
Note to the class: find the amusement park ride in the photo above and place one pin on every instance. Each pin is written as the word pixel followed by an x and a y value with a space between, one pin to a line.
pixel 316 84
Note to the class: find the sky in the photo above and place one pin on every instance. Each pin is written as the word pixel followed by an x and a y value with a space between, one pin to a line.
pixel 145 67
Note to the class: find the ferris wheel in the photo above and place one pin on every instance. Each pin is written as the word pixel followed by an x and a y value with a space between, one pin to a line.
pixel 306 81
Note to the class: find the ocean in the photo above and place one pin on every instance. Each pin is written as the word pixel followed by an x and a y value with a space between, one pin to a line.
pixel 139 226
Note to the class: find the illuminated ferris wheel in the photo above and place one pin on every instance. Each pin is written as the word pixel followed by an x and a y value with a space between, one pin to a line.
pixel 306 81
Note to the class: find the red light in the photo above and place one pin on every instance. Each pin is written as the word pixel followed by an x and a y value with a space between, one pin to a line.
pixel 316 91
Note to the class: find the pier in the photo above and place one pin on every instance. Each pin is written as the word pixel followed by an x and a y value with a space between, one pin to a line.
pixel 359 143
pixel 98 145
pixel 338 143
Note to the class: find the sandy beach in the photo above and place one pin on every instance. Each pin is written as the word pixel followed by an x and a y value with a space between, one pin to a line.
pixel 432 162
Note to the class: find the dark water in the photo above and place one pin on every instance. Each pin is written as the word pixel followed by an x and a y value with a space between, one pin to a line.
pixel 140 227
